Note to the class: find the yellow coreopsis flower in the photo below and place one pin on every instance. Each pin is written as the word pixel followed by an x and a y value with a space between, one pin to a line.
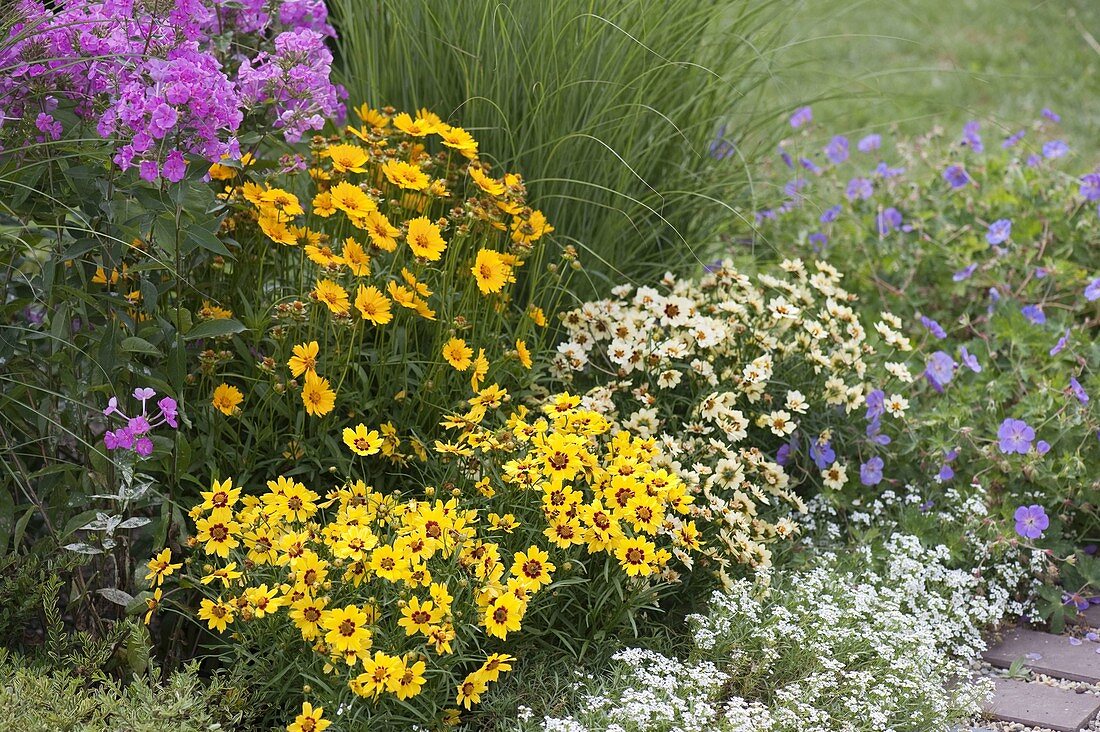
pixel 537 316
pixel 317 395
pixel 347 629
pixel 417 128
pixel 218 615
pixel 217 531
pixel 304 359
pixel 356 260
pixel 323 255
pixel 523 354
pixel 481 368
pixel 458 354
pixel 227 574
pixel 407 680
pixel 637 556
pixel 382 233
pixel 220 495
pixel 405 175
pixel 361 441
pixel 161 566
pixel 346 158
pixel 459 139
pixel 503 615
pixel 495 665
pixel 352 200
pixel 373 305
pixel 284 202
pixel 332 295
pixel 323 205
pixel 486 183
pixel 532 568
pixel 490 271
pixel 418 617
pixel 306 614
pixel 378 673
pixel 226 399
pixel 470 690
pixel 310 720
pixel 424 239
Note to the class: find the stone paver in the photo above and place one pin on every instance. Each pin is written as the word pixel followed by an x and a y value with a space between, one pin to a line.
pixel 1048 654
pixel 1092 616
pixel 1040 705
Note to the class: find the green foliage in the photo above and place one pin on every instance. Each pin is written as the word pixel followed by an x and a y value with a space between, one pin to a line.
pixel 36 698
pixel 608 109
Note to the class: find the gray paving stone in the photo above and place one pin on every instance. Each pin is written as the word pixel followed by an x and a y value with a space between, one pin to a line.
pixel 1048 654
pixel 1038 705
pixel 1092 616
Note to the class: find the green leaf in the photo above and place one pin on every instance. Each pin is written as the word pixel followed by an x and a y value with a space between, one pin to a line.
pixel 133 344
pixel 210 242
pixel 215 329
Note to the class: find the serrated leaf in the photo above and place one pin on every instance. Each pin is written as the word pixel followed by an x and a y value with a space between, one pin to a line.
pixel 215 329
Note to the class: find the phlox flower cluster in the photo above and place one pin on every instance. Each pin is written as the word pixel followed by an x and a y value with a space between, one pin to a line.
pixel 156 80
pixel 747 383
pixel 136 434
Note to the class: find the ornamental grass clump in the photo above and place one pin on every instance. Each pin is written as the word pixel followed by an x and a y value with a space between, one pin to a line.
pixel 398 608
pixel 759 389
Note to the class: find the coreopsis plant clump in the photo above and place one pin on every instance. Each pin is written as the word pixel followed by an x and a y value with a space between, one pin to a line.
pixel 407 609
pixel 758 388
pixel 389 260
pixel 984 249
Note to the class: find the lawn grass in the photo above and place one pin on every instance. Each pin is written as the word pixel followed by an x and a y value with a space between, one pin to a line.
pixel 877 63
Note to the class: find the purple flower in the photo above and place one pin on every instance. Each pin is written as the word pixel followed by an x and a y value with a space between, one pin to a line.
pixel 837 150
pixel 1090 187
pixel 809 165
pixel 869 143
pixel 935 328
pixel 175 167
pixel 999 231
pixel 888 220
pixel 1013 140
pixel 120 439
pixel 1042 447
pixel 970 360
pixel 1034 314
pixel 1031 521
pixel 822 453
pixel 783 454
pixel 939 369
pixel 138 425
pixel 1092 290
pixel 1078 390
pixel 884 170
pixel 876 404
pixel 1055 149
pixel 964 273
pixel 1033 160
pixel 1015 436
pixel 870 472
pixel 830 214
pixel 143 394
pixel 148 170
pixel 818 240
pixel 168 410
pixel 1051 115
pixel 143 447
pixel 971 136
pixel 926 506
pixel 859 188
pixel 801 116
pixel 112 407
pixel 956 175
pixel 1061 344
pixel 720 147
pixel 946 473
pixel 786 158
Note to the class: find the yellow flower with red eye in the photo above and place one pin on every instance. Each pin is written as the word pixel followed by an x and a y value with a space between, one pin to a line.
pixel 304 358
pixel 407 679
pixel 418 617
pixel 262 601
pixel 283 202
pixel 637 556
pixel 310 720
pixel 306 613
pixel 310 572
pixel 532 568
pixel 217 614
pixel 471 689
pixel 289 500
pixel 503 615
pixel 495 665
pixel 217 532
pixel 362 441
pixel 161 566
pixel 378 672
pixel 348 630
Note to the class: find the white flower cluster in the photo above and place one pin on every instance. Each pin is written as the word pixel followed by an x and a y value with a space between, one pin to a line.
pixel 821 650
pixel 724 371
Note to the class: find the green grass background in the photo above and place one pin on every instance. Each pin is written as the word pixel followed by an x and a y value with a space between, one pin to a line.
pixel 876 63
